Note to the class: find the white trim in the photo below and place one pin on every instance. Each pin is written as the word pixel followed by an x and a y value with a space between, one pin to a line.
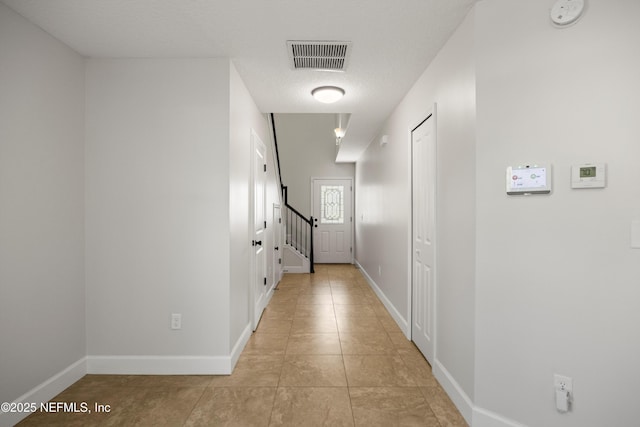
pixel 256 142
pixel 455 392
pixel 296 270
pixel 251 230
pixel 485 418
pixel 130 365
pixel 169 365
pixel 240 344
pixel 159 365
pixel 474 415
pixel 46 391
pixel 431 113
pixel 279 240
pixel 401 321
pixel 414 123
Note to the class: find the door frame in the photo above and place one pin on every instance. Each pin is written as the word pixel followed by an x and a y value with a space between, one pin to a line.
pixel 253 316
pixel 351 200
pixel 430 113
pixel 277 242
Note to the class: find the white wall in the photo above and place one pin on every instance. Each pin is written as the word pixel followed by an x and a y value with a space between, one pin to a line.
pixel 306 144
pixel 383 203
pixel 42 300
pixel 157 210
pixel 557 281
pixel 566 302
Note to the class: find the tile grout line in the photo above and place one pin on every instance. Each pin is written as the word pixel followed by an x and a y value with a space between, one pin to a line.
pixel 195 405
pixel 284 358
pixel 344 365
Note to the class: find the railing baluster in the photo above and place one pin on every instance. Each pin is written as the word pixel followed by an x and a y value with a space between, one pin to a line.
pixel 299 231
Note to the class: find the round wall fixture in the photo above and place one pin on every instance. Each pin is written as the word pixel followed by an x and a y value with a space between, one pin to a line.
pixel 327 94
pixel 566 12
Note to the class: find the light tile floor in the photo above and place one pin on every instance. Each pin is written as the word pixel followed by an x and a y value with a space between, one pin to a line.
pixel 326 353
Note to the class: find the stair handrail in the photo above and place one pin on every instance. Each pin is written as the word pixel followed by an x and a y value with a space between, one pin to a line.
pixel 308 236
pixel 308 221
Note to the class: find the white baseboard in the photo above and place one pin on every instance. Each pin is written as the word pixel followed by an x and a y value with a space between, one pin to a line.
pixel 127 365
pixel 159 365
pixel 169 365
pixel 240 344
pixel 459 398
pixel 473 415
pixel 403 324
pixel 46 391
pixel 486 418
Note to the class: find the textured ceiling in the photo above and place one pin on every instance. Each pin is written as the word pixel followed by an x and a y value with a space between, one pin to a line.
pixel 393 42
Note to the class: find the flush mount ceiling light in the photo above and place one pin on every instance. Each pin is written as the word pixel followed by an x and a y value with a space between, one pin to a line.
pixel 327 94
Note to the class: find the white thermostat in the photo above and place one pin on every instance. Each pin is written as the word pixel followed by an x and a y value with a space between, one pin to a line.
pixel 589 175
pixel 529 179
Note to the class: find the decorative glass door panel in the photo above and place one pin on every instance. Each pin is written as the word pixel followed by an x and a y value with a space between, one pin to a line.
pixel 332 204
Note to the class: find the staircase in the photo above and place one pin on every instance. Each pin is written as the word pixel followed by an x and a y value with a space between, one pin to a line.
pixel 298 248
pixel 298 256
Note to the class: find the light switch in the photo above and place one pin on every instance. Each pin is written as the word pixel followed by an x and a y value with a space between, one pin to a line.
pixel 635 234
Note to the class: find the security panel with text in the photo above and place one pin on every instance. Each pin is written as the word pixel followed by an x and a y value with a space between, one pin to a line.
pixel 529 179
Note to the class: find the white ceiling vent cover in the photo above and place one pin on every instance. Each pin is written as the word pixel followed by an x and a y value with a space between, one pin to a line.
pixel 319 55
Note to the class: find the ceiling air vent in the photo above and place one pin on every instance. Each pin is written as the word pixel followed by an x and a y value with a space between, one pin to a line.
pixel 319 55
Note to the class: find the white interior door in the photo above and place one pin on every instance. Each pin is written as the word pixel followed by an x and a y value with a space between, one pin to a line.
pixel 259 225
pixel 277 244
pixel 423 141
pixel 333 221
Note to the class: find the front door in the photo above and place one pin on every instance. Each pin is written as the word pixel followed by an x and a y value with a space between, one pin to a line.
pixel 423 141
pixel 332 206
pixel 259 225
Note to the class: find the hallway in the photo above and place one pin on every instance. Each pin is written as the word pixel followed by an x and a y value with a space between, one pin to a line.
pixel 326 353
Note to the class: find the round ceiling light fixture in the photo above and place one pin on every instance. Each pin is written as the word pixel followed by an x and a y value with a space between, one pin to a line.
pixel 328 94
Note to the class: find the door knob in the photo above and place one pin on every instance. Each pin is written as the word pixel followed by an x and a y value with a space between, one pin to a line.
pixel 276 248
pixel 256 242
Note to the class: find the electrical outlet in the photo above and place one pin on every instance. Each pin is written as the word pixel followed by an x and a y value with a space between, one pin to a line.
pixel 564 392
pixel 176 321
pixel 562 383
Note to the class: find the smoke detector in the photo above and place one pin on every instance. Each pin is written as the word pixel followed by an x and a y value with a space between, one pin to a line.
pixel 567 12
